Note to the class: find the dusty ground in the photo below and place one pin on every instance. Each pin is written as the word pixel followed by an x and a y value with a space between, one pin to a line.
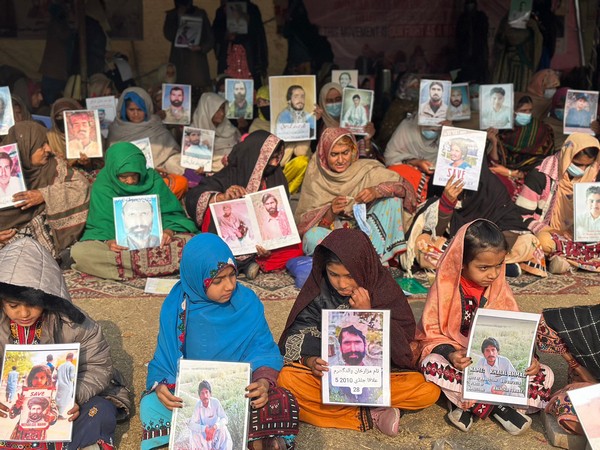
pixel 131 324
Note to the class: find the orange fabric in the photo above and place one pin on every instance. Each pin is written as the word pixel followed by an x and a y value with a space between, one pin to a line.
pixel 413 176
pixel 409 391
pixel 178 184
pixel 442 315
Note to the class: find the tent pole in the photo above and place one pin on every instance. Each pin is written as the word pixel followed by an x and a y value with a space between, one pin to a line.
pixel 80 12
pixel 579 33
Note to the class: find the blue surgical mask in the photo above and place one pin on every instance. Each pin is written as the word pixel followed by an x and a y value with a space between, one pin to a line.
pixel 559 113
pixel 523 119
pixel 334 109
pixel 429 134
pixel 549 93
pixel 575 171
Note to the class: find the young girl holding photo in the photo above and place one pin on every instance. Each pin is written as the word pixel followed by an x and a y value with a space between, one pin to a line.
pixel 471 275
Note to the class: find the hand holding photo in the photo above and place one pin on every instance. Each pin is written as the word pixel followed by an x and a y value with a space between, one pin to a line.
pixel 189 32
pixel 460 156
pixel 501 346
pixel 580 111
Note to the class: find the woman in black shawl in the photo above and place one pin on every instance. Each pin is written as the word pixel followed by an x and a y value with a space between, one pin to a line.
pixel 444 213
pixel 253 165
pixel 347 274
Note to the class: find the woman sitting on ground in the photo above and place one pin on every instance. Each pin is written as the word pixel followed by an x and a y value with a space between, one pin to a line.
pixel 336 180
pixel 209 316
pixel 124 175
pixel 347 274
pixel 515 152
pixel 546 202
pixel 89 167
pixel 412 153
pixel 210 115
pixel 37 309
pixel 441 217
pixel 470 275
pixel 253 166
pixel 54 209
pixel 136 120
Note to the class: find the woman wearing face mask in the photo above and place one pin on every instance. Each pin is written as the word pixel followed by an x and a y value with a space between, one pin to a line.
pixel 541 89
pixel 295 154
pixel 412 152
pixel 546 201
pixel 329 109
pixel 515 152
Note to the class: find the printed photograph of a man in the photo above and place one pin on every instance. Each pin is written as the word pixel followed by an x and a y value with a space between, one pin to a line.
pixel 83 134
pixel 239 94
pixel 580 111
pixel 11 176
pixel 357 107
pixel 496 109
pixel 177 104
pixel 460 106
pixel 137 221
pixel 293 107
pixel 434 98
pixel 587 212
pixel 272 220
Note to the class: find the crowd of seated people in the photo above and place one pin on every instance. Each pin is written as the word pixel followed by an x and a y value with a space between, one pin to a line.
pixel 363 205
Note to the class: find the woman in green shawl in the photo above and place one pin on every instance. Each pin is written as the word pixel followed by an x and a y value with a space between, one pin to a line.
pixel 124 175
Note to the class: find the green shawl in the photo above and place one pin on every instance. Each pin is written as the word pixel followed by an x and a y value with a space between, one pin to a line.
pixel 121 158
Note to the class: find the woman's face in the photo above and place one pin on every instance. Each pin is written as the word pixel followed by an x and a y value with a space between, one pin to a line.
pixel 41 156
pixel 333 96
pixel 22 314
pixel 129 178
pixel 525 108
pixel 455 153
pixel 17 113
pixel 135 114
pixel 222 286
pixel 218 117
pixel 583 161
pixel 36 99
pixel 339 157
pixel 340 279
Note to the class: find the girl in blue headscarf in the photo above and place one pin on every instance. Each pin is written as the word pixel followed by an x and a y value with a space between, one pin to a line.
pixel 209 316
pixel 136 120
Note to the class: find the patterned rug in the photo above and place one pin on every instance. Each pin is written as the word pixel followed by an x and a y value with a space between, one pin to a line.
pixel 576 282
pixel 280 286
pixel 270 286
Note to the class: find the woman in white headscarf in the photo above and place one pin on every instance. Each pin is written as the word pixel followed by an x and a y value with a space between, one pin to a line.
pixel 210 115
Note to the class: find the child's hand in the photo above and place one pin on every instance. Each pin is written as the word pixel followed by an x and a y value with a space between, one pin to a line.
pixel 166 398
pixel 316 365
pixel 258 392
pixel 360 299
pixel 73 413
pixel 459 359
